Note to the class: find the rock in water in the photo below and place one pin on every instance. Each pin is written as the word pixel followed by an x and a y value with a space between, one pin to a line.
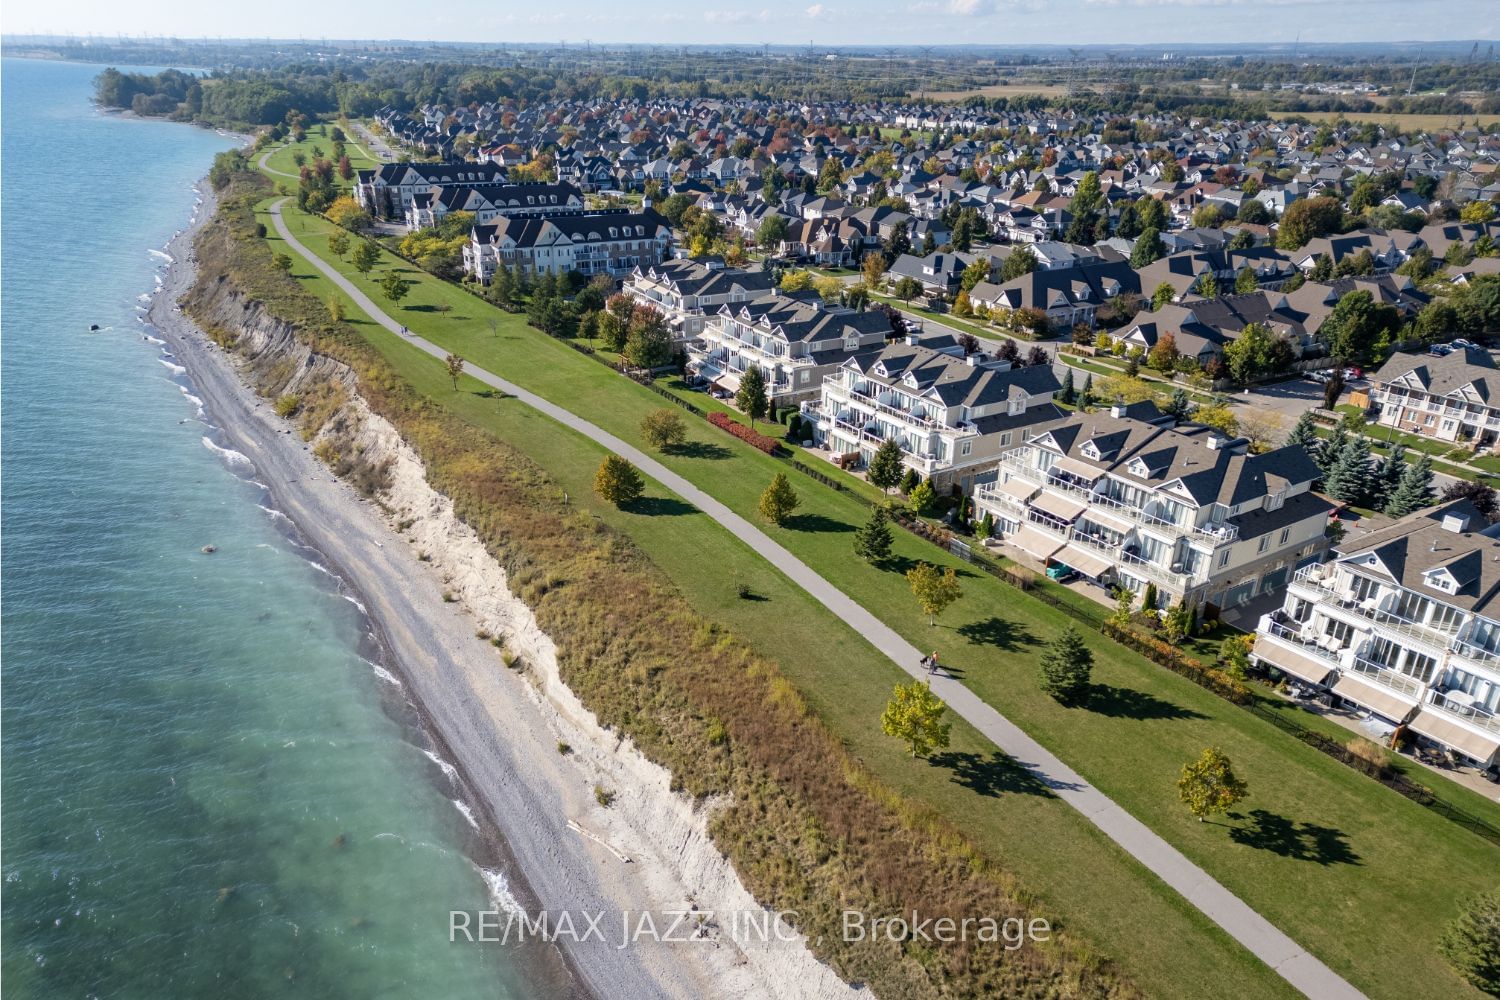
pixel 209 550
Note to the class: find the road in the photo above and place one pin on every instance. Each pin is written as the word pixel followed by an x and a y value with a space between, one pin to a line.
pixel 376 144
pixel 1299 968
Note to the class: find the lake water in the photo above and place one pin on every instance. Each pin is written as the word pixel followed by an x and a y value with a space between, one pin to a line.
pixel 209 789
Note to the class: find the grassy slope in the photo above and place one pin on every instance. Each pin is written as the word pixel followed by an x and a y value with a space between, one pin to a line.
pixel 1352 847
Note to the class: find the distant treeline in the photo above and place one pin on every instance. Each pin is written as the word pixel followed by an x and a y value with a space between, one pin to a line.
pixel 263 96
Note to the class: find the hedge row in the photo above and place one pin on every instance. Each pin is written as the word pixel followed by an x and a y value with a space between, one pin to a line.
pixel 753 438
pixel 1167 655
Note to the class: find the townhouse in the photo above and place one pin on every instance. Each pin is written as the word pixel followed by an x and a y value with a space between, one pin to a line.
pixel 952 414
pixel 690 292
pixel 608 242
pixel 1402 625
pixel 387 191
pixel 1455 397
pixel 1067 294
pixel 487 202
pixel 1130 497
pixel 795 340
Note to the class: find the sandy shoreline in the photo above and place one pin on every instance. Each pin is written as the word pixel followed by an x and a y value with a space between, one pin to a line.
pixel 427 589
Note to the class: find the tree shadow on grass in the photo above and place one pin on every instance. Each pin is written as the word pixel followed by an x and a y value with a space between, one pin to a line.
pixel 490 394
pixel 816 522
pixel 1302 841
pixel 697 449
pixel 659 506
pixel 996 631
pixel 1124 703
pixel 994 774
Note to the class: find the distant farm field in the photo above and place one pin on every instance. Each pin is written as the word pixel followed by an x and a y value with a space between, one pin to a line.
pixel 1000 90
pixel 1428 123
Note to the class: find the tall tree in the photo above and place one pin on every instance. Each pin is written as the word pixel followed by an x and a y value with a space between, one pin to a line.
pixel 1348 479
pixel 779 500
pixel 338 243
pixel 1387 476
pixel 1065 667
pixel 1020 261
pixel 933 588
pixel 1209 786
pixel 1304 434
pixel 365 256
pixel 873 540
pixel 1067 393
pixel 751 397
pixel 1148 248
pixel 1414 491
pixel 394 287
pixel 885 465
pixel 1245 282
pixel 1483 497
pixel 914 715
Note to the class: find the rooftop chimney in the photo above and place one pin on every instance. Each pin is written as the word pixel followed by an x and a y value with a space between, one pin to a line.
pixel 911 340
pixel 1456 523
pixel 974 360
pixel 1117 410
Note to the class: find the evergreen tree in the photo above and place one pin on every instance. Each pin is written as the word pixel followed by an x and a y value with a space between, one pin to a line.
pixel 885 466
pixel 909 482
pixel 986 527
pixel 1305 435
pixel 1065 667
pixel 1388 472
pixel 1245 282
pixel 1067 393
pixel 1148 248
pixel 1414 491
pixel 1086 398
pixel 872 542
pixel 1180 405
pixel 1349 477
pixel 1471 943
pixel 1328 455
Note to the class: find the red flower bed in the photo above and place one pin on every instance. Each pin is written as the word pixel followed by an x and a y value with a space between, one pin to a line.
pixel 755 439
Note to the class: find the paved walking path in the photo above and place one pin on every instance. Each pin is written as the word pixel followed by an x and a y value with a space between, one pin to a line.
pixel 1257 934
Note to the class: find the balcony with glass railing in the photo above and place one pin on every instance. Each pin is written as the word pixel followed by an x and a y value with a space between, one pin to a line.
pixel 1330 592
pixel 1457 704
pixel 1387 676
pixel 1215 534
pixel 1301 643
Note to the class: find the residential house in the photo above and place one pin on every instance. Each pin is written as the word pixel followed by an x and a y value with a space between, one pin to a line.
pixel 1451 398
pixel 1403 625
pixel 1130 497
pixel 953 415
pixel 608 242
pixel 689 292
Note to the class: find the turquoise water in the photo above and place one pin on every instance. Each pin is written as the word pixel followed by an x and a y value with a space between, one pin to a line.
pixel 208 790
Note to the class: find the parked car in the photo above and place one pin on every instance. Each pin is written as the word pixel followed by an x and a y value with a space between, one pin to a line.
pixel 1439 350
pixel 1461 342
pixel 1319 377
pixel 1353 374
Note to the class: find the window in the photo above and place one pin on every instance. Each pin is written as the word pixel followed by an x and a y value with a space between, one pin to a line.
pixel 966 447
pixel 1285 534
pixel 1223 559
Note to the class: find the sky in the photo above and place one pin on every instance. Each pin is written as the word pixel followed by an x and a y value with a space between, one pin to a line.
pixel 832 23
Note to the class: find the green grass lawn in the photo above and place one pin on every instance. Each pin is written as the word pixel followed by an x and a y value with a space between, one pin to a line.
pixel 1318 849
pixel 317 136
pixel 1380 445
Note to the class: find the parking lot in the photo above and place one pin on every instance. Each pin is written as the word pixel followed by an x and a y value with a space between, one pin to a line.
pixel 1288 399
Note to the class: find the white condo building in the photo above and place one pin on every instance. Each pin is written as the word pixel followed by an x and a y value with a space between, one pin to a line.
pixel 1403 624
pixel 1129 497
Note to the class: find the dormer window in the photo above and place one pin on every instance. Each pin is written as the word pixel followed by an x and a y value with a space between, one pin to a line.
pixel 1275 500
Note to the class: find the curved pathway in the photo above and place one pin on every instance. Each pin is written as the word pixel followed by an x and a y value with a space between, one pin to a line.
pixel 272 170
pixel 1299 968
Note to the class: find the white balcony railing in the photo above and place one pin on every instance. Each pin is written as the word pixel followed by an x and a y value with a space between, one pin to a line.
pixel 1386 676
pixel 1453 703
